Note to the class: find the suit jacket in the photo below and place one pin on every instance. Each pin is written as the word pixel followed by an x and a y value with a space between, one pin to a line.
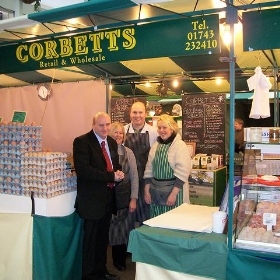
pixel 92 175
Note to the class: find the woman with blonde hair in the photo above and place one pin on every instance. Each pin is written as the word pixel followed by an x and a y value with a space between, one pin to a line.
pixel 126 198
pixel 167 170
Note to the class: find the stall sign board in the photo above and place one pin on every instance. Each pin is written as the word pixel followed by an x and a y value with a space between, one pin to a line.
pixel 180 37
pixel 19 116
pixel 261 30
pixel 120 108
pixel 204 122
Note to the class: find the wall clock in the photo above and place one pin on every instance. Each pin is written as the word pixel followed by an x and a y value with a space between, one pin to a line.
pixel 44 92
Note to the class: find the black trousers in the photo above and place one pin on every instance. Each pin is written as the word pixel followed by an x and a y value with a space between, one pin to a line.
pixel 119 254
pixel 95 242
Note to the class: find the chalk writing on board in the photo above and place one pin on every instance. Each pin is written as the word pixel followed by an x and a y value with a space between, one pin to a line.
pixel 204 122
pixel 120 108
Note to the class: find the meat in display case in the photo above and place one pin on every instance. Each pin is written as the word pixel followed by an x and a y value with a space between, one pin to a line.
pixel 258 216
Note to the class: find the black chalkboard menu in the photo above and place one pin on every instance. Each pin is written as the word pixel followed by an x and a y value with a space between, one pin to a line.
pixel 120 108
pixel 203 122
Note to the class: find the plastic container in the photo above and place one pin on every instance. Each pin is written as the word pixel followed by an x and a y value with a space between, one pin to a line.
pixel 255 134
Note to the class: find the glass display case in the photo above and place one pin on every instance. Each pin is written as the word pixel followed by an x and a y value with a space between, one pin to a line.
pixel 257 219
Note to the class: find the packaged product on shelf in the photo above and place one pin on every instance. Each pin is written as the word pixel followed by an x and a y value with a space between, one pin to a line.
pixel 196 162
pixel 217 159
pixel 203 162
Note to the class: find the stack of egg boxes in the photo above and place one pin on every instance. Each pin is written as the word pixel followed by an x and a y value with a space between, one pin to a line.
pixel 71 181
pixel 44 174
pixel 15 140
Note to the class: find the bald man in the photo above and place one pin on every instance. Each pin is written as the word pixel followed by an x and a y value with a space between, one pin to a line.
pixel 94 202
pixel 140 136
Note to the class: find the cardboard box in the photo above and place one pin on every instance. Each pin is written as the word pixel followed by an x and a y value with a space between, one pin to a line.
pixel 61 205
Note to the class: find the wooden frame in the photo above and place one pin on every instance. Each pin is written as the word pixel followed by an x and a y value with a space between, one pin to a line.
pixel 192 145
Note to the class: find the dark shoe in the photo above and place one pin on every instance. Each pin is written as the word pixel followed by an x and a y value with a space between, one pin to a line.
pixel 109 276
pixel 120 267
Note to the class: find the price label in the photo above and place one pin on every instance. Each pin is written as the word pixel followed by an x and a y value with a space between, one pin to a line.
pixel 269 219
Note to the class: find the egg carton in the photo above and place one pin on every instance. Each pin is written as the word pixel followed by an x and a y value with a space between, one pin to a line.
pixel 48 155
pixel 17 150
pixel 18 140
pixel 53 187
pixel 10 184
pixel 8 163
pixel 31 164
pixel 71 188
pixel 19 127
pixel 10 153
pixel 15 161
pixel 42 193
pixel 9 176
pixel 12 191
pixel 43 190
pixel 47 179
pixel 46 193
pixel 39 171
pixel 72 181
pixel 37 182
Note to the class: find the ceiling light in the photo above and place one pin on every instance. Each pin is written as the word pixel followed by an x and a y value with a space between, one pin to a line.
pixel 175 83
pixel 226 35
pixel 218 81
pixel 169 100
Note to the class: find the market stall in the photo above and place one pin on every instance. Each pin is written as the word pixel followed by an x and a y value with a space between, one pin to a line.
pixel 66 118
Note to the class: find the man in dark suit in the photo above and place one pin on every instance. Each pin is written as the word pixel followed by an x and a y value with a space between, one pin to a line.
pixel 94 202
